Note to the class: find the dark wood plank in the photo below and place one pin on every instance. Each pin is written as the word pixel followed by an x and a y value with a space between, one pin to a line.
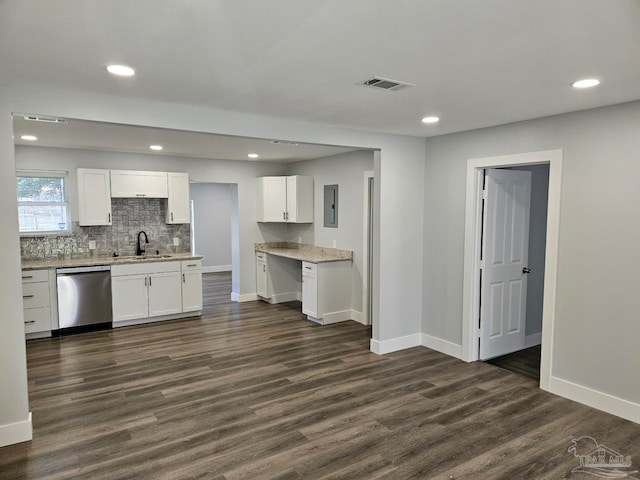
pixel 255 391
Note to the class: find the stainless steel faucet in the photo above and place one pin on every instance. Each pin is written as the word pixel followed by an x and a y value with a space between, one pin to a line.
pixel 140 250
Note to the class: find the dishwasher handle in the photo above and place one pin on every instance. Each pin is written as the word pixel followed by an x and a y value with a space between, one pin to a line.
pixel 76 270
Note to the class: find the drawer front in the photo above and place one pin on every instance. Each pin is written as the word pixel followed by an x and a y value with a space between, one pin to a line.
pixel 35 295
pixel 37 320
pixel 191 265
pixel 33 276
pixel 309 268
pixel 144 268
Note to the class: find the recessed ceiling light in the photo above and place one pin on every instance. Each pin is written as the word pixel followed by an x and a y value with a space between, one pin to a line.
pixel 253 155
pixel 120 70
pixel 586 83
pixel 155 147
pixel 431 119
pixel 29 138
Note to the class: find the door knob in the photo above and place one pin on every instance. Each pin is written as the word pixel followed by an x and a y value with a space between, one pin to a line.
pixel 526 270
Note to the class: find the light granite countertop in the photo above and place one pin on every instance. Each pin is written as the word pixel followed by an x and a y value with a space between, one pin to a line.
pixel 304 252
pixel 87 261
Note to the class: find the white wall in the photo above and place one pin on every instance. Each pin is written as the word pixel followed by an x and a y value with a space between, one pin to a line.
pixel 399 175
pixel 212 224
pixel 597 328
pixel 347 171
pixel 537 245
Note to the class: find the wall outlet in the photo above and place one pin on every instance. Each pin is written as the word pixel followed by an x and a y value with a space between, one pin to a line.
pixel 176 242
pixel 335 243
pixel 92 244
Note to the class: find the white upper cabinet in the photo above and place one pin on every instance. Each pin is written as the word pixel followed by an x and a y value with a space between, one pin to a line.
pixel 300 199
pixel 131 183
pixel 178 210
pixel 285 199
pixel 94 197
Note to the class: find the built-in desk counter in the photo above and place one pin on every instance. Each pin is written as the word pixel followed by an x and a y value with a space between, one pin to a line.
pixel 304 252
pixel 320 277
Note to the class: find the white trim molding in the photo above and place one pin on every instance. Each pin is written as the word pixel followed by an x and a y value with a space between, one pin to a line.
pixel 336 317
pixel 595 399
pixel 442 346
pixel 16 432
pixel 395 344
pixel 245 297
pixel 359 317
pixel 216 268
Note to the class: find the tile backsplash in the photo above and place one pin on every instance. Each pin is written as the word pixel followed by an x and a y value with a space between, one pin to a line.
pixel 129 216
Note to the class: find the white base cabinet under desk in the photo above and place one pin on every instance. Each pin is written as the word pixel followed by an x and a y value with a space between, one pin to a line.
pixel 326 291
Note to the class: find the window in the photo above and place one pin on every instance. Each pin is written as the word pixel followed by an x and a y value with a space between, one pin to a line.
pixel 42 203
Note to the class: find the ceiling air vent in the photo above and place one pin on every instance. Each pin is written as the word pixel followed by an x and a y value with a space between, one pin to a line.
pixel 385 84
pixel 39 118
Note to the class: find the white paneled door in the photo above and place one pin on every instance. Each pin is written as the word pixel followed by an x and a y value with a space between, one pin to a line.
pixel 505 254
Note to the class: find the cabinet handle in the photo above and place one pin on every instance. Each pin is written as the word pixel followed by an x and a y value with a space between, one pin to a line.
pixel 287 215
pixel 109 217
pixel 145 281
pixel 172 216
pixel 264 268
pixel 284 215
pixel 140 195
pixel 149 281
pixel 183 280
pixel 29 322
pixel 27 276
pixel 308 268
pixel 192 265
pixel 28 296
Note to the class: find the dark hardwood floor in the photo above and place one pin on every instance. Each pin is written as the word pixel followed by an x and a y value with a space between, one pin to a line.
pixel 525 362
pixel 255 391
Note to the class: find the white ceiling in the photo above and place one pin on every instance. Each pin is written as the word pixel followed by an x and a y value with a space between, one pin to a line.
pixel 127 138
pixel 474 63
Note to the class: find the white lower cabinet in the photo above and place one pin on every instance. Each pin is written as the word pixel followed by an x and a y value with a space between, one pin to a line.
pixel 326 291
pixel 39 302
pixel 261 275
pixel 191 285
pixel 145 290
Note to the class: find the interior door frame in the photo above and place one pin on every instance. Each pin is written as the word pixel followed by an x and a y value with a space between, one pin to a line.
pixel 367 236
pixel 473 232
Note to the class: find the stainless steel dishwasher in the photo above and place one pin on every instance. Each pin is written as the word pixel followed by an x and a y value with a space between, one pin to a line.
pixel 84 298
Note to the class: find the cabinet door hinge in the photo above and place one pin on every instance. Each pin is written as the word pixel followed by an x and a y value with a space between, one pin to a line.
pixel 481 264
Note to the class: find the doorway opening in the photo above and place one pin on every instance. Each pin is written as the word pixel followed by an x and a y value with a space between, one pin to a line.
pixel 512 248
pixel 214 219
pixel 474 269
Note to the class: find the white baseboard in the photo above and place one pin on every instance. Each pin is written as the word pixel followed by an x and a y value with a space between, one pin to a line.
pixel 395 344
pixel 216 268
pixel 596 399
pixel 245 297
pixel 442 346
pixel 335 317
pixel 161 318
pixel 285 297
pixel 358 317
pixel 533 340
pixel 16 432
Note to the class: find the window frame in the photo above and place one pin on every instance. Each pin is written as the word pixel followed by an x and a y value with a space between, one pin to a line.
pixel 65 203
